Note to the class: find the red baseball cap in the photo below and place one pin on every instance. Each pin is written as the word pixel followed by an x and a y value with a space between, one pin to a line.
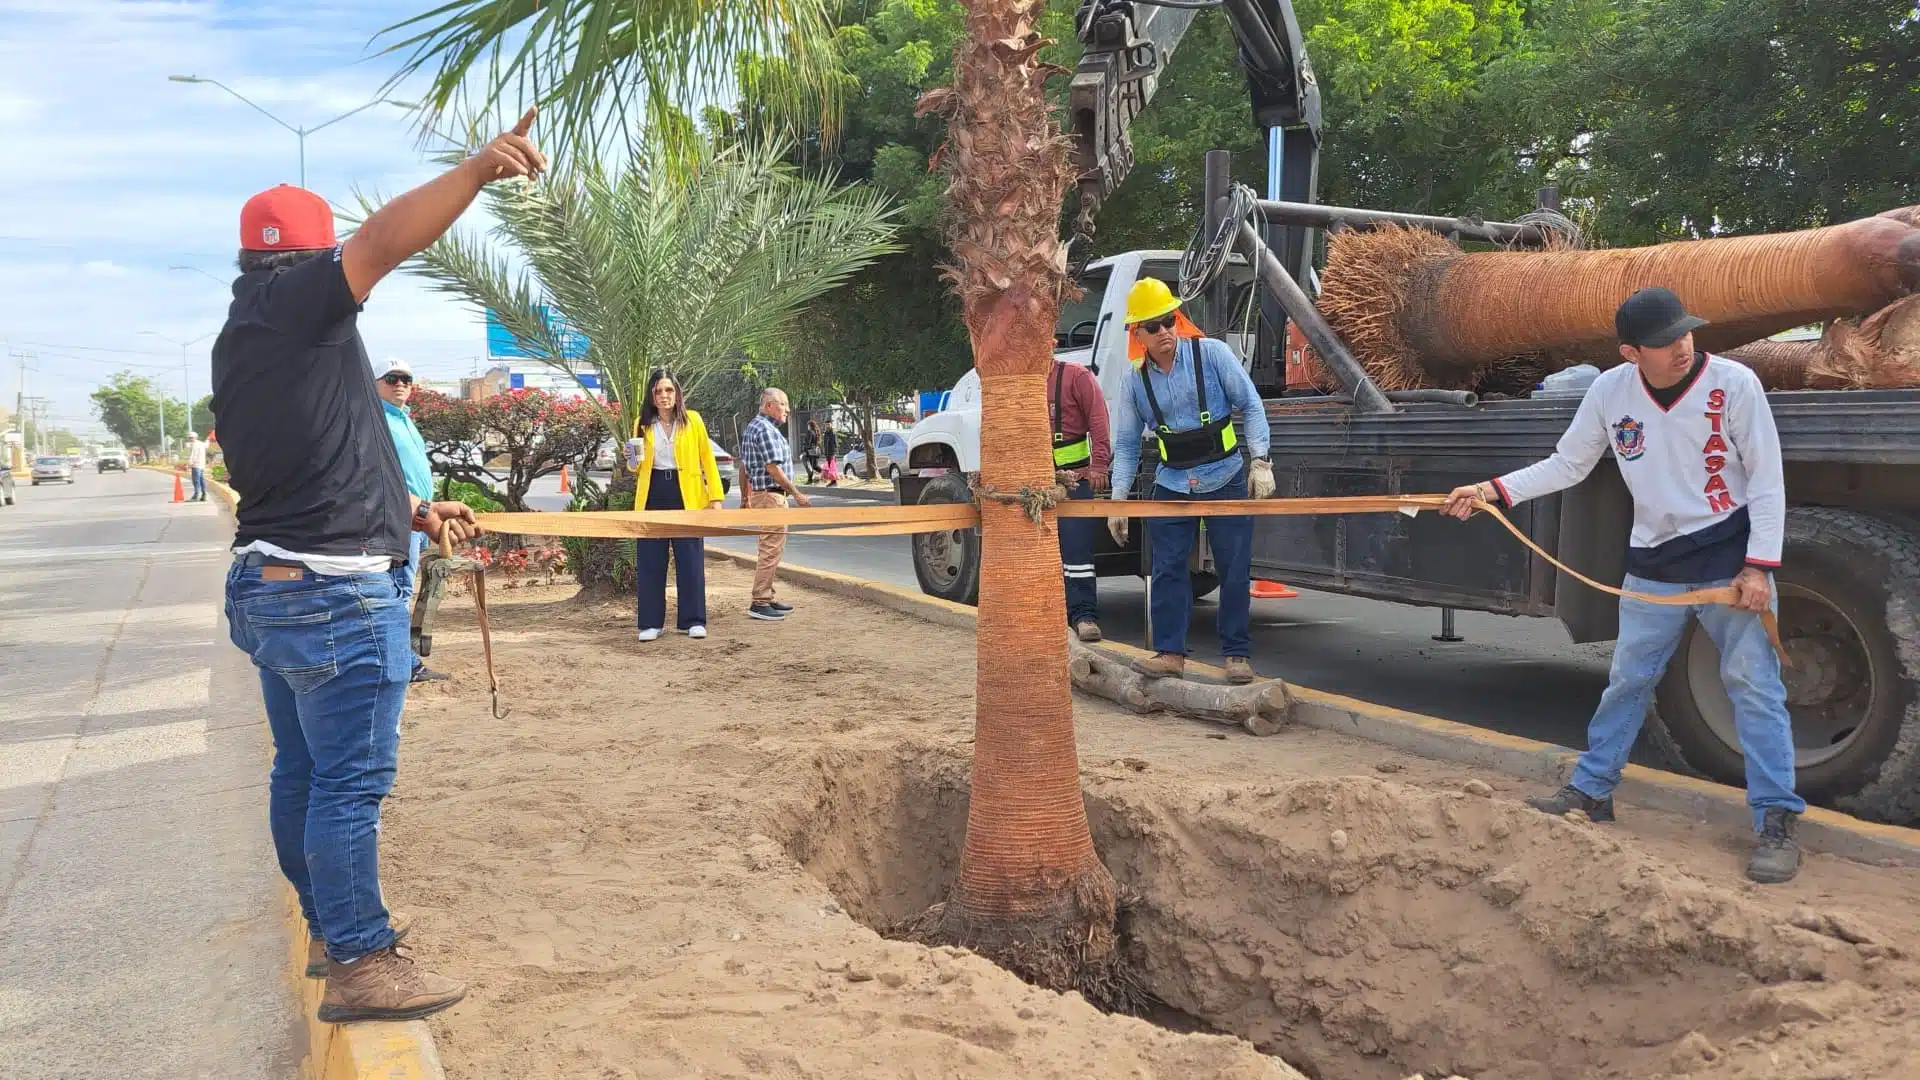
pixel 286 218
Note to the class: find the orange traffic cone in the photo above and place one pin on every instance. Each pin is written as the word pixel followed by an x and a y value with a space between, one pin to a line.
pixel 1272 590
pixel 566 488
pixel 179 493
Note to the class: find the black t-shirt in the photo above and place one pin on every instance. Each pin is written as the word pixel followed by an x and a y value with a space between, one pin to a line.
pixel 305 439
pixel 1665 396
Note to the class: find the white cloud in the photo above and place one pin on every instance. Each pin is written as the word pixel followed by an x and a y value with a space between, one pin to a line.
pixel 116 174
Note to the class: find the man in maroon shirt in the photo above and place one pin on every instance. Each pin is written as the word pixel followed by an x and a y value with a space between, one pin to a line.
pixel 1082 456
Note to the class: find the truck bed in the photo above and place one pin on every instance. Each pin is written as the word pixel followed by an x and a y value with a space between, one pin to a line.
pixel 1841 448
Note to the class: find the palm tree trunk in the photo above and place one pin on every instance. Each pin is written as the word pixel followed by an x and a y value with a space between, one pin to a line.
pixel 1031 894
pixel 1419 312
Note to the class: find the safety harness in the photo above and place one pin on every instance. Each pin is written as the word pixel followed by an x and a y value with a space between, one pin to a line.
pixel 1067 453
pixel 1214 440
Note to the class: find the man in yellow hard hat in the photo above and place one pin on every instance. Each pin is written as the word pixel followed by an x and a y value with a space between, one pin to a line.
pixel 1189 388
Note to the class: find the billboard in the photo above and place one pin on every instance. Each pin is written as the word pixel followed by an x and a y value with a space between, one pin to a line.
pixel 503 345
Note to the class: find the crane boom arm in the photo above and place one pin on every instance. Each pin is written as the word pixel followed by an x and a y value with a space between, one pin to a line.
pixel 1126 46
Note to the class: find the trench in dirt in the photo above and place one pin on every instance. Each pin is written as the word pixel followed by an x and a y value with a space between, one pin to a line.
pixel 1365 930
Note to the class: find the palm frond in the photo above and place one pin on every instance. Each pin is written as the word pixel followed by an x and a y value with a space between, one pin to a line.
pixel 683 268
pixel 606 65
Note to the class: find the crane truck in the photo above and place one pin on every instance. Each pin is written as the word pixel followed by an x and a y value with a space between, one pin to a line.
pixel 1849 584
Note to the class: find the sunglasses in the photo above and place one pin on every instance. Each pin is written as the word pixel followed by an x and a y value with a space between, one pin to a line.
pixel 1154 326
pixel 397 380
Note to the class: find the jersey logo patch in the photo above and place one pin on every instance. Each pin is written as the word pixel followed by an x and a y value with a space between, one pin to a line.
pixel 1629 438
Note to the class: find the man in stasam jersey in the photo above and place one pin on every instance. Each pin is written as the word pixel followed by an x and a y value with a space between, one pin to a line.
pixel 1696 444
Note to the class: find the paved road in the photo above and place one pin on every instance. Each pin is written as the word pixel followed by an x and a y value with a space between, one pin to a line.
pixel 141 927
pixel 1518 675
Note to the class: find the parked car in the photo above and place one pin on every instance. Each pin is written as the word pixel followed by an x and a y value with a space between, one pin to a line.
pixel 52 470
pixel 889 457
pixel 113 459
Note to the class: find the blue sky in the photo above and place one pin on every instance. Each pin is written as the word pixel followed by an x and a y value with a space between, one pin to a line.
pixel 113 174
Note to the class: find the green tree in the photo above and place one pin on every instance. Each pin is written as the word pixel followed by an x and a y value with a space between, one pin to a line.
pixel 893 330
pixel 895 327
pixel 613 68
pixel 202 418
pixel 130 408
pixel 1694 117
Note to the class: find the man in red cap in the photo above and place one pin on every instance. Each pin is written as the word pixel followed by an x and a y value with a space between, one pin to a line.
pixel 324 519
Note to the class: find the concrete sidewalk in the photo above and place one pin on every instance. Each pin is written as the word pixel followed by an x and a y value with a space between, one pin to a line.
pixel 140 914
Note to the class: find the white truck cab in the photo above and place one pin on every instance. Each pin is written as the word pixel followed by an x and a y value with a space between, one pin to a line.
pixel 945 446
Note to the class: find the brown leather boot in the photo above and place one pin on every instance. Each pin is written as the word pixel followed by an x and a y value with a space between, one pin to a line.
pixel 384 985
pixel 1087 630
pixel 1239 671
pixel 317 949
pixel 1163 666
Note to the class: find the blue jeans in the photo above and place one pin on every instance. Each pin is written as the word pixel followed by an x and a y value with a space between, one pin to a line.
pixel 1649 633
pixel 199 482
pixel 1076 560
pixel 334 666
pixel 406 578
pixel 1172 540
pixel 650 565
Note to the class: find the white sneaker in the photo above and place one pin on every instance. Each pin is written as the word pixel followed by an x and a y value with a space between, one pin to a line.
pixel 651 633
pixel 696 631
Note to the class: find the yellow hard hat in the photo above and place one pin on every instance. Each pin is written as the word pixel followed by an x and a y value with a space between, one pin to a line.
pixel 1149 299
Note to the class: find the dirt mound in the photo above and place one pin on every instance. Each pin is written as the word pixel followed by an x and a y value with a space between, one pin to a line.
pixel 1363 929
pixel 649 868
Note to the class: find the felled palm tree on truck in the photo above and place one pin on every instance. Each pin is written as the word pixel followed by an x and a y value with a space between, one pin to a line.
pixel 1032 893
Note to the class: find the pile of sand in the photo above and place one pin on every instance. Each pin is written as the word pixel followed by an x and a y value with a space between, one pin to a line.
pixel 666 861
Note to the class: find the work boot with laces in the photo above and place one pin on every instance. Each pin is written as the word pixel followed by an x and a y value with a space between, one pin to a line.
pixel 1239 670
pixel 1163 666
pixel 1776 857
pixel 317 949
pixel 385 985
pixel 1571 798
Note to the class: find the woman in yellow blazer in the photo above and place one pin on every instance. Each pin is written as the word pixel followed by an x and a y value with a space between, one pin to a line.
pixel 675 470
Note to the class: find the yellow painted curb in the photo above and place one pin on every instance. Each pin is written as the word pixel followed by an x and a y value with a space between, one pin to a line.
pixel 402 1050
pixel 1447 740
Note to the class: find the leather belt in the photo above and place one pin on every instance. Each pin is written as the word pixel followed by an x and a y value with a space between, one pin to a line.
pixel 255 558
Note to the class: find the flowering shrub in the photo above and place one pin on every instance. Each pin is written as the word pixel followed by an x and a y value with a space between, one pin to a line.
pixel 549 558
pixel 539 432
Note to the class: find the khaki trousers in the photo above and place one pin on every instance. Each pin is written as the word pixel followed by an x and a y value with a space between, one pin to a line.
pixel 772 544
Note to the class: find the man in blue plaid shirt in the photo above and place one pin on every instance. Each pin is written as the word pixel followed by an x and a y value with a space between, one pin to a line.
pixel 766 483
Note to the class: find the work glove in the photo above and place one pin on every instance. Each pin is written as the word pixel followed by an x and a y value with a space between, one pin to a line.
pixel 1261 479
pixel 1117 526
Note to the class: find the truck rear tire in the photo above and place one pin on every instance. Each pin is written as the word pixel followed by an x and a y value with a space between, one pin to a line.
pixel 947 564
pixel 1849 588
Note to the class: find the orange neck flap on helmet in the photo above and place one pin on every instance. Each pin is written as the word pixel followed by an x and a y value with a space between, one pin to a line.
pixel 1182 327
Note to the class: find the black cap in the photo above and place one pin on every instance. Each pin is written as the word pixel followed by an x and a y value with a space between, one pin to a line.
pixel 1652 318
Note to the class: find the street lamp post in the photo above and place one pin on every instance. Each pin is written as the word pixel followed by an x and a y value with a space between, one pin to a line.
pixel 300 133
pixel 186 380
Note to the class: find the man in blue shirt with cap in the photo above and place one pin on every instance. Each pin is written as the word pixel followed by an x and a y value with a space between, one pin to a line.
pixel 395 386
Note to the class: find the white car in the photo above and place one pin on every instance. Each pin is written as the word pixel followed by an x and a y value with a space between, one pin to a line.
pixel 889 457
pixel 52 470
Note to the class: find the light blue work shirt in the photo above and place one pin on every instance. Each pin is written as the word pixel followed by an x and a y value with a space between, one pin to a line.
pixel 1228 387
pixel 412 448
